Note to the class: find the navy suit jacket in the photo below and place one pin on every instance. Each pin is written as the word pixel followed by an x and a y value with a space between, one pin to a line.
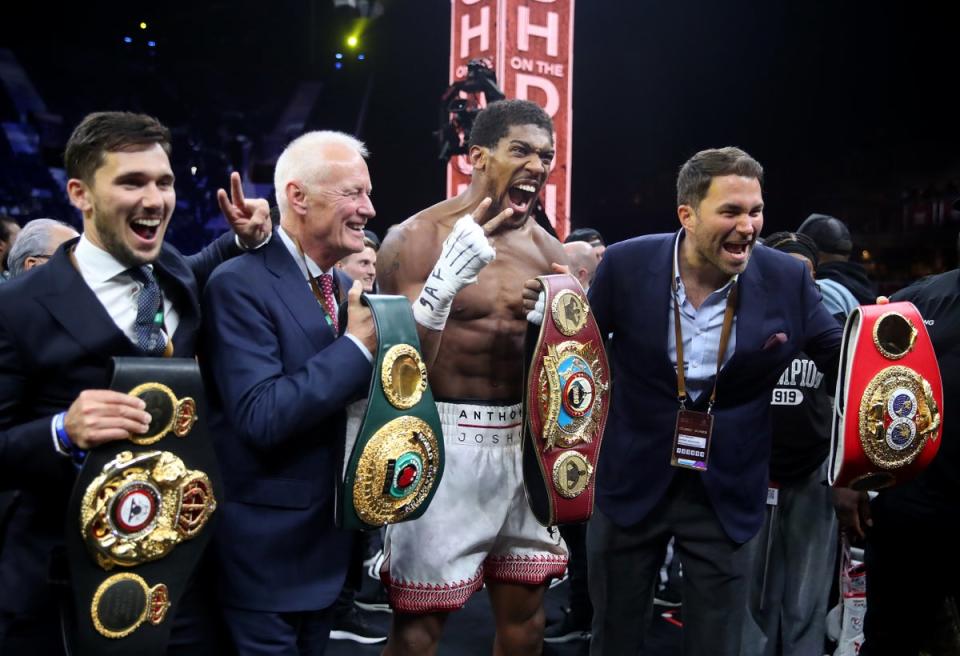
pixel 779 312
pixel 280 380
pixel 56 340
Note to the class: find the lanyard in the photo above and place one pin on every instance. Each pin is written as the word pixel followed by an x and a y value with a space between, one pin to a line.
pixel 724 340
pixel 328 312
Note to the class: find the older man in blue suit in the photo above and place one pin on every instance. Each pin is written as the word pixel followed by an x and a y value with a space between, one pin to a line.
pixel 702 322
pixel 283 370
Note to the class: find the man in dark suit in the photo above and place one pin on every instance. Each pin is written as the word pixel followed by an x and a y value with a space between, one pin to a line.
pixel 662 471
pixel 59 327
pixel 282 370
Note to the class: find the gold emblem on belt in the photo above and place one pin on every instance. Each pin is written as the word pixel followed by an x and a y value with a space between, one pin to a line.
pixel 396 471
pixel 404 376
pixel 141 506
pixel 571 473
pixel 124 601
pixel 897 415
pixel 167 413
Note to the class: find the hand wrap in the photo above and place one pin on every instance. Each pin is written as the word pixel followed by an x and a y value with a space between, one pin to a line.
pixel 466 250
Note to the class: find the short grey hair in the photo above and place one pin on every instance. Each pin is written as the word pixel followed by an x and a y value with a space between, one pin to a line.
pixel 300 162
pixel 34 240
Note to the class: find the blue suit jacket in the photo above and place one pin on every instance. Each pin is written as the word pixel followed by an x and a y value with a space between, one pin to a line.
pixel 57 340
pixel 630 298
pixel 281 380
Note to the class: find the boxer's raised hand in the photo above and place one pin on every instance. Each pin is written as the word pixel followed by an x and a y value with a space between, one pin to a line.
pixel 465 251
pixel 534 297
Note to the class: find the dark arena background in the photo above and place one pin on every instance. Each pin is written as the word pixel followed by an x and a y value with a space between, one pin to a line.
pixel 850 107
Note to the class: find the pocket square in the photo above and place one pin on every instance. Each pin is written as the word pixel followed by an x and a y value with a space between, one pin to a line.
pixel 776 339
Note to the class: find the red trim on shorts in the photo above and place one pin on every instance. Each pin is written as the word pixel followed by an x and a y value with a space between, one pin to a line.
pixel 411 597
pixel 534 569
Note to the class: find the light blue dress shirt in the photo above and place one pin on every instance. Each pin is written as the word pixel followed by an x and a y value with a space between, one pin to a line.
pixel 701 330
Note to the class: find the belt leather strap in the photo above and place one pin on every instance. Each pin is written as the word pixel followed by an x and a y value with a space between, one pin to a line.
pixel 141 513
pixel 889 402
pixel 393 466
pixel 566 401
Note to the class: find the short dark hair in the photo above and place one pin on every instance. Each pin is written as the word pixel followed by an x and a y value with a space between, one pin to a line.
pixel 5 223
pixel 588 235
pixel 698 172
pixel 110 132
pixel 494 122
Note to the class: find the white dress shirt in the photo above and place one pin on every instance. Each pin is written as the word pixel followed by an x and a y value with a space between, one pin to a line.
pixel 116 289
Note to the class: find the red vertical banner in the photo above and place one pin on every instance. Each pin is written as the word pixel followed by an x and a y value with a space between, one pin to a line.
pixel 529 43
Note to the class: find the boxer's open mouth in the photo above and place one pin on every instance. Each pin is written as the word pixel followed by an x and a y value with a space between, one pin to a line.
pixel 521 196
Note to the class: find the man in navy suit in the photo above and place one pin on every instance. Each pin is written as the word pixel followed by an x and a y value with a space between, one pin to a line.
pixel 59 327
pixel 662 471
pixel 282 370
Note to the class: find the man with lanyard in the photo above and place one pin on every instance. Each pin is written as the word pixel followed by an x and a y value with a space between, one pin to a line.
pixel 699 337
pixel 117 291
pixel 281 366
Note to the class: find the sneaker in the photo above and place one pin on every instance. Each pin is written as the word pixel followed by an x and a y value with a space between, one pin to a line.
pixel 668 596
pixel 568 629
pixel 352 625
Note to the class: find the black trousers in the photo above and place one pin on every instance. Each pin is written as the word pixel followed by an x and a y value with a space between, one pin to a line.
pixel 911 568
pixel 623 565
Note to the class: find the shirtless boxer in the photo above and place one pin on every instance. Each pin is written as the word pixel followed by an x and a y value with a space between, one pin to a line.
pixel 479 527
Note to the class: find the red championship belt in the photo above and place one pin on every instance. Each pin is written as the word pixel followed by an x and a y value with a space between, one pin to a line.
pixel 566 402
pixel 889 402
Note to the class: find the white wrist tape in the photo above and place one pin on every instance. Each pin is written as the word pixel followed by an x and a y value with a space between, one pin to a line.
pixel 466 250
pixel 535 316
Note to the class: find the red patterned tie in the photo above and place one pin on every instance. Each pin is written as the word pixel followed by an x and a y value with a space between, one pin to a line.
pixel 326 286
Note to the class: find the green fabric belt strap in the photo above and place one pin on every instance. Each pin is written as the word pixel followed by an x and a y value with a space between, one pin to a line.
pixel 396 462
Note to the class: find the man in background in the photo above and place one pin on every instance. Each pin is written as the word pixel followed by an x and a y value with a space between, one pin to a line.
pixel 37 243
pixel 582 259
pixel 362 266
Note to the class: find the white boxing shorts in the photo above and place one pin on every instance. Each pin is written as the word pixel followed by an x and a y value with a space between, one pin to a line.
pixel 478 526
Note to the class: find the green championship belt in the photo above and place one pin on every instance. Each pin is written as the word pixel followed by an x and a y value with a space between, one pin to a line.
pixel 393 464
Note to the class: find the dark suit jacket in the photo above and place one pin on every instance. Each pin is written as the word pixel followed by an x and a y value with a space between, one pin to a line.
pixel 280 381
pixel 630 298
pixel 56 340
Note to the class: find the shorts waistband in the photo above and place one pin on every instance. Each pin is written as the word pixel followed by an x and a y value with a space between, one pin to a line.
pixel 481 425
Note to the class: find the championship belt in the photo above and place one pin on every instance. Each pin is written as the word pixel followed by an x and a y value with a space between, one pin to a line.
pixel 393 464
pixel 139 516
pixel 889 402
pixel 566 402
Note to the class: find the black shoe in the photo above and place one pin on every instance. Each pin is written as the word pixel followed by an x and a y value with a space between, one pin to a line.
pixel 373 598
pixel 568 629
pixel 353 625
